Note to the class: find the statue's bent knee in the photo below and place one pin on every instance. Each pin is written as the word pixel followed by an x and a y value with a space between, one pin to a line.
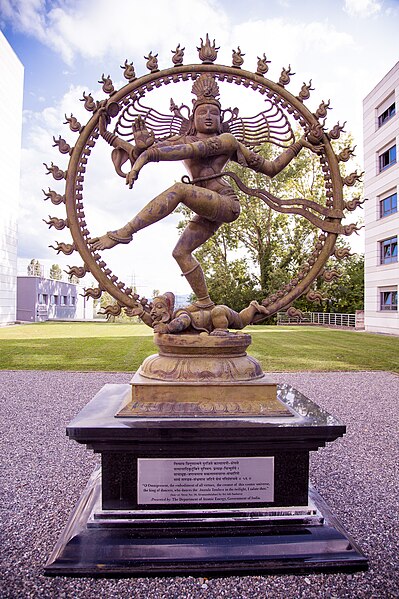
pixel 180 189
pixel 179 252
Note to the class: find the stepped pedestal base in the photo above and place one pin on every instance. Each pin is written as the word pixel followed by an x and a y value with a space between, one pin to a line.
pixel 97 543
pixel 202 495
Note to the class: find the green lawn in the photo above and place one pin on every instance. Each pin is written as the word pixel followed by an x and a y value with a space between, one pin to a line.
pixel 122 347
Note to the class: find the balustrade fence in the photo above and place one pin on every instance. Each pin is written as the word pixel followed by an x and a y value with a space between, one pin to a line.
pixel 320 318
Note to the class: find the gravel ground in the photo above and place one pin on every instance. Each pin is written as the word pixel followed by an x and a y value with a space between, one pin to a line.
pixel 43 474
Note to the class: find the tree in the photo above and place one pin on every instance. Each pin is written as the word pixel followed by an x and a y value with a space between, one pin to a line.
pixel 56 272
pixel 263 249
pixel 35 269
pixel 345 294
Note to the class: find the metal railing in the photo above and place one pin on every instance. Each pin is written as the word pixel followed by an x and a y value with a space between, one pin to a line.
pixel 330 319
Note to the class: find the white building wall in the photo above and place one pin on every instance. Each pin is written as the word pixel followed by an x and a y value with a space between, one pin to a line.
pixel 11 96
pixel 85 305
pixel 377 139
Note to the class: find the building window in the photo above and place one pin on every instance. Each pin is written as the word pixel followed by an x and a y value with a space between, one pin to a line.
pixel 387 158
pixel 389 205
pixel 42 298
pixel 388 300
pixel 64 300
pixel 389 250
pixel 54 300
pixel 386 115
pixel 73 300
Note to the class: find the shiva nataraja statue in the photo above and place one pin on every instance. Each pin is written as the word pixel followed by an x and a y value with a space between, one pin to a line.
pixel 205 138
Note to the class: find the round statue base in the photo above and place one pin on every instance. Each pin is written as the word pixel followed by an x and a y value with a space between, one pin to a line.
pixel 202 358
pixel 202 375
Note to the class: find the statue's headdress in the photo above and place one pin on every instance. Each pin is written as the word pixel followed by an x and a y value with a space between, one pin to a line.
pixel 170 300
pixel 207 90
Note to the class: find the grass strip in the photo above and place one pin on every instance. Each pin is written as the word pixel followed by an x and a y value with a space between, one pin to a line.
pixel 122 347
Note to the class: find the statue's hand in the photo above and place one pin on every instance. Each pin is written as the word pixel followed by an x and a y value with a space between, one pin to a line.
pixel 103 119
pixel 131 177
pixel 139 311
pixel 313 147
pixel 138 165
pixel 143 137
pixel 161 327
pixel 259 308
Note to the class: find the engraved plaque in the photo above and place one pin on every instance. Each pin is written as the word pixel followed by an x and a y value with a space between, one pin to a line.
pixel 205 480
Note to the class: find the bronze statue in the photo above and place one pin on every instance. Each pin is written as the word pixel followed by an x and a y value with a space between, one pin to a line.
pixel 206 140
pixel 205 151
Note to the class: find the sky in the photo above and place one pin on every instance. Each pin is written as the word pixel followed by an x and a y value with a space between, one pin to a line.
pixel 344 46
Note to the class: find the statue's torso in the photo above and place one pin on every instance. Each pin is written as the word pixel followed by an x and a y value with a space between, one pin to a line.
pixel 207 167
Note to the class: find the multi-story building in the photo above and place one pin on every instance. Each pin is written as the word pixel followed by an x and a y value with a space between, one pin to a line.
pixel 11 77
pixel 381 179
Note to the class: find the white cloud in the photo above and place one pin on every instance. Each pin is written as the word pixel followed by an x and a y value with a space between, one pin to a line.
pixel 27 16
pixel 362 8
pixel 97 28
pixel 290 40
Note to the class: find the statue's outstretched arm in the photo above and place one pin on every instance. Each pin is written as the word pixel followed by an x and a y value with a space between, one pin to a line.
pixel 246 157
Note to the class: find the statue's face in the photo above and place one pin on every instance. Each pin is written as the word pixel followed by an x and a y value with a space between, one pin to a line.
pixel 207 119
pixel 159 311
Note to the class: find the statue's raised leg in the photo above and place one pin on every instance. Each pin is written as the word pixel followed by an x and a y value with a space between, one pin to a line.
pixel 204 202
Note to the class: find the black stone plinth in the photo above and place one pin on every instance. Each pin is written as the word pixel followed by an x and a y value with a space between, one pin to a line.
pixel 111 533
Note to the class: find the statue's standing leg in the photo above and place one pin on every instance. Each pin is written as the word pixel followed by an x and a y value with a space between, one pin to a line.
pixel 197 232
